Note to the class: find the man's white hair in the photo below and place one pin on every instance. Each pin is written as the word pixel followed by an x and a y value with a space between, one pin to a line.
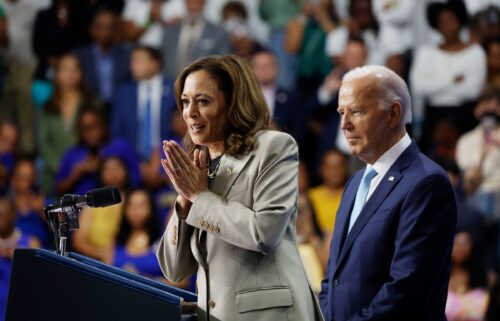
pixel 390 84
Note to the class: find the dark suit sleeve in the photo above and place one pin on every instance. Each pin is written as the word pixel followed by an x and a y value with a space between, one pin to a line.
pixel 423 243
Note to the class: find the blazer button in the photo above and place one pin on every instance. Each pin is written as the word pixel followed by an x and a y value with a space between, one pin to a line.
pixel 200 221
pixel 336 282
pixel 211 304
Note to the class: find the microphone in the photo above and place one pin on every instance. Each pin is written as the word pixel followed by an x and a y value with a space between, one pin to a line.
pixel 99 197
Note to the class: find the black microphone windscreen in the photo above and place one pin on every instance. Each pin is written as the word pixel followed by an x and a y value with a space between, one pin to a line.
pixel 104 196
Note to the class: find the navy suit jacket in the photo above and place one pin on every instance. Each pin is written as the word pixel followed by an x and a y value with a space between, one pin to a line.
pixel 121 66
pixel 125 121
pixel 286 113
pixel 394 264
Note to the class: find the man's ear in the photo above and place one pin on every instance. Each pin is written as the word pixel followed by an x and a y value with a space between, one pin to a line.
pixel 395 114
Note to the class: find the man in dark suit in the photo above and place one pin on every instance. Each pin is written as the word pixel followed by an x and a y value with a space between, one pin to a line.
pixel 192 38
pixel 142 109
pixel 390 252
pixel 105 65
pixel 283 104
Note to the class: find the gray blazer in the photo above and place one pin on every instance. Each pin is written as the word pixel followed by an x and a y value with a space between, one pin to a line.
pixel 251 269
pixel 213 41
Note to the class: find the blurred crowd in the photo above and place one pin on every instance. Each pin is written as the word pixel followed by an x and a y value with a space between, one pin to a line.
pixel 87 97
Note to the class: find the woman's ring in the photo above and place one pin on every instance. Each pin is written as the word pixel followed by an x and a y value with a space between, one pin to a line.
pixel 176 169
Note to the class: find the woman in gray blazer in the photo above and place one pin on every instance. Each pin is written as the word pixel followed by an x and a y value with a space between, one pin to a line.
pixel 234 219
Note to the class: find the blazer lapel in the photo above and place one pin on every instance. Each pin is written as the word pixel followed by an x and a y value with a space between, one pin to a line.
pixel 389 181
pixel 229 170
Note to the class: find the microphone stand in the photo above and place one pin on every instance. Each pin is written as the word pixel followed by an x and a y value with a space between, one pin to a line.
pixel 62 220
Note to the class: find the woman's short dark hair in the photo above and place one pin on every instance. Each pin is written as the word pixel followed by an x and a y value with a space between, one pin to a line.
pixel 247 109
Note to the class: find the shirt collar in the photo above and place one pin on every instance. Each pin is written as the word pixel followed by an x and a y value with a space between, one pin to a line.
pixel 387 159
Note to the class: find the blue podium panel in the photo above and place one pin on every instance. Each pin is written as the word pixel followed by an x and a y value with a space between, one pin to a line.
pixel 47 286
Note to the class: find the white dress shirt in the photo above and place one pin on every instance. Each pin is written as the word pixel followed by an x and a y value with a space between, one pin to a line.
pixel 384 163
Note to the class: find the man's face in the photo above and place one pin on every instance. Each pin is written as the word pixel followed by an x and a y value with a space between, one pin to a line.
pixel 368 128
pixel 264 68
pixel 143 66
pixel 102 28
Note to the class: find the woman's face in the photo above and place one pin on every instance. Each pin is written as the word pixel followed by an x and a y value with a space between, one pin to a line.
pixel 138 209
pixel 69 74
pixel 92 129
pixel 448 24
pixel 462 248
pixel 114 173
pixel 204 109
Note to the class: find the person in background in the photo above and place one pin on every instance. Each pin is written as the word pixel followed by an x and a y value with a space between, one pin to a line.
pixel 478 155
pixel 283 104
pixel 325 198
pixel 277 14
pixel 467 292
pixel 449 77
pixel 306 37
pixel 235 22
pixel 57 125
pixel 144 21
pixel 9 136
pixel 16 101
pixel 99 226
pixel 105 64
pixel 192 38
pixel 142 111
pixel 29 200
pixel 79 167
pixel 10 239
pixel 138 232
pixel 492 48
pixel 58 29
pixel 311 241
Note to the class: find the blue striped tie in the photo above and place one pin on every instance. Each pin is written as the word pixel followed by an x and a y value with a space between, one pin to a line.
pixel 363 189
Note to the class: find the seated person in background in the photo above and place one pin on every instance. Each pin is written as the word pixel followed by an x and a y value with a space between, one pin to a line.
pixel 10 239
pixel 325 198
pixel 467 291
pixel 57 125
pixel 139 230
pixel 79 169
pixel 142 109
pixel 99 226
pixel 105 64
pixel 29 200
pixel 478 155
pixel 9 136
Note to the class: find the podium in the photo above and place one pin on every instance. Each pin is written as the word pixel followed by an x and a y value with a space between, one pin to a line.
pixel 47 286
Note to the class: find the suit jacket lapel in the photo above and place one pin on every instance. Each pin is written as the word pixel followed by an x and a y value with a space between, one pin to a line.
pixel 229 170
pixel 389 181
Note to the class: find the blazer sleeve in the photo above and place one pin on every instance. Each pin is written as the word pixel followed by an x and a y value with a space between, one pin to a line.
pixel 174 253
pixel 423 243
pixel 262 227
